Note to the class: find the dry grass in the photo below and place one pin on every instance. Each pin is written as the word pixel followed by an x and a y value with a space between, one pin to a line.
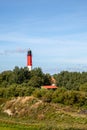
pixel 31 109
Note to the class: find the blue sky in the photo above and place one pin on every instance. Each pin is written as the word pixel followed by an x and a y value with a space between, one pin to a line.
pixel 55 31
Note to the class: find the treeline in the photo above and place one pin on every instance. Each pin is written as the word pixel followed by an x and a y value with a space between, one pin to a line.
pixel 72 80
pixel 72 86
pixel 23 77
pixel 21 82
pixel 36 78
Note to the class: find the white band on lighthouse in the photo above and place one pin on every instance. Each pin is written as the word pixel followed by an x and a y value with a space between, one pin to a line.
pixel 29 68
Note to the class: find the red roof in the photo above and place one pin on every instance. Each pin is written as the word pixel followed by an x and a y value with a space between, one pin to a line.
pixel 49 86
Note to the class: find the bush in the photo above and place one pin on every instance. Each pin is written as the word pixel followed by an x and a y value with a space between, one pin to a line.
pixel 83 87
pixel 58 95
pixel 47 97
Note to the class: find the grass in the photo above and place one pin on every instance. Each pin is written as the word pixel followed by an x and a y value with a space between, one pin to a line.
pixel 45 116
pixel 63 124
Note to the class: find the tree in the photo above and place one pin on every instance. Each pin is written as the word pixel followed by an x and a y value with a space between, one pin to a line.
pixel 69 80
pixel 47 79
pixel 35 81
pixel 36 72
pixel 21 75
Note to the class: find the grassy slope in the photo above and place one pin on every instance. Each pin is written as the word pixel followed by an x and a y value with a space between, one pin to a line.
pixel 31 112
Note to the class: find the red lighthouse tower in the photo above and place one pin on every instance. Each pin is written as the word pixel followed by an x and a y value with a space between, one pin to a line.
pixel 29 60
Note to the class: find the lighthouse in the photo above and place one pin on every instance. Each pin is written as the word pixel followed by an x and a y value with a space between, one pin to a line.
pixel 29 60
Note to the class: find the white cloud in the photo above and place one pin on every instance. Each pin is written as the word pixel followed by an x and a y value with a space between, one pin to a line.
pixel 60 40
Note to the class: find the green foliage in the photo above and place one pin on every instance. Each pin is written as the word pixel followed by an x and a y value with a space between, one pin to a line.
pixel 21 75
pixel 47 97
pixel 58 95
pixel 70 80
pixel 38 78
pixel 15 91
pixel 66 97
pixel 35 82
pixel 47 79
pixel 35 78
pixel 39 93
pixel 21 82
pixel 36 72
pixel 83 87
pixel 5 78
pixel 63 96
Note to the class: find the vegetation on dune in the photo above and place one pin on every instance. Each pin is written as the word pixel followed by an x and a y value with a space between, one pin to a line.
pixel 30 106
pixel 21 77
pixel 31 112
pixel 72 86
